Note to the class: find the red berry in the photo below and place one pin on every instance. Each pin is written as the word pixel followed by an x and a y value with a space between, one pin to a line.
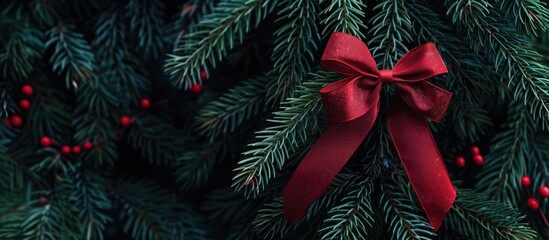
pixel 65 150
pixel 76 150
pixel 45 141
pixel 196 88
pixel 87 145
pixel 543 192
pixel 203 74
pixel 16 121
pixel 460 162
pixel 125 121
pixel 532 204
pixel 145 103
pixel 478 160
pixel 525 181
pixel 24 104
pixel 27 90
pixel 43 200
pixel 475 150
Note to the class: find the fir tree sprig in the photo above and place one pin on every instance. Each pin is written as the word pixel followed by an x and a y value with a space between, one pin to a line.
pixel 402 212
pixel 343 16
pixel 473 215
pixel 214 36
pixel 511 53
pixel 225 114
pixel 22 45
pixel 72 57
pixel 512 150
pixel 146 21
pixel 290 126
pixel 90 196
pixel 295 45
pixel 353 216
pixel 149 212
pixel 530 16
pixel 391 31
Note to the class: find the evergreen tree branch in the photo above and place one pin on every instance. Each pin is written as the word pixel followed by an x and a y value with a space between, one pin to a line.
pixel 147 22
pixel 72 55
pixel 530 16
pixel 509 157
pixel 160 142
pixel 91 199
pixel 21 44
pixel 232 109
pixel 343 16
pixel 391 31
pixel 214 35
pixel 403 215
pixel 290 126
pixel 353 216
pixel 511 54
pixel 295 45
pixel 152 213
pixel 479 218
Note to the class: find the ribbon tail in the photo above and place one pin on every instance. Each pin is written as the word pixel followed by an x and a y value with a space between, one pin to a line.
pixel 421 159
pixel 328 155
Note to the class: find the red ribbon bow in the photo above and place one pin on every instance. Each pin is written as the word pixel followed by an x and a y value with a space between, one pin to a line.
pixel 352 105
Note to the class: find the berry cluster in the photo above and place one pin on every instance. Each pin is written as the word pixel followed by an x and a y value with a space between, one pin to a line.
pixel 46 142
pixel 543 191
pixel 16 121
pixel 478 159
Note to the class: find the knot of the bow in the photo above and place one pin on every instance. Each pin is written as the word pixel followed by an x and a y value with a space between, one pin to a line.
pixel 386 76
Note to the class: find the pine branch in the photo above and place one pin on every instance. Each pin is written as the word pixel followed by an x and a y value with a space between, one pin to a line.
pixel 509 157
pixel 295 46
pixel 343 16
pixel 479 218
pixel 152 213
pixel 530 16
pixel 160 142
pixel 467 79
pixel 512 54
pixel 353 216
pixel 147 21
pixel 118 62
pixel 43 222
pixel 50 108
pixel 290 126
pixel 391 28
pixel 402 214
pixel 91 199
pixel 193 168
pixel 72 56
pixel 215 35
pixel 232 109
pixel 229 207
pixel 21 44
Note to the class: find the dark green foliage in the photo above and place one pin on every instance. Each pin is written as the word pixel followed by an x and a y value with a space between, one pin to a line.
pixel 478 218
pixel 149 212
pixel 232 109
pixel 401 212
pixel 260 98
pixel 353 217
pixel 343 16
pixel 512 150
pixel 290 126
pixel 295 46
pixel 217 32
pixel 22 45
pixel 72 55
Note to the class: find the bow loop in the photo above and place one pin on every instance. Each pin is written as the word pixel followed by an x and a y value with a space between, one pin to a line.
pixel 349 56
